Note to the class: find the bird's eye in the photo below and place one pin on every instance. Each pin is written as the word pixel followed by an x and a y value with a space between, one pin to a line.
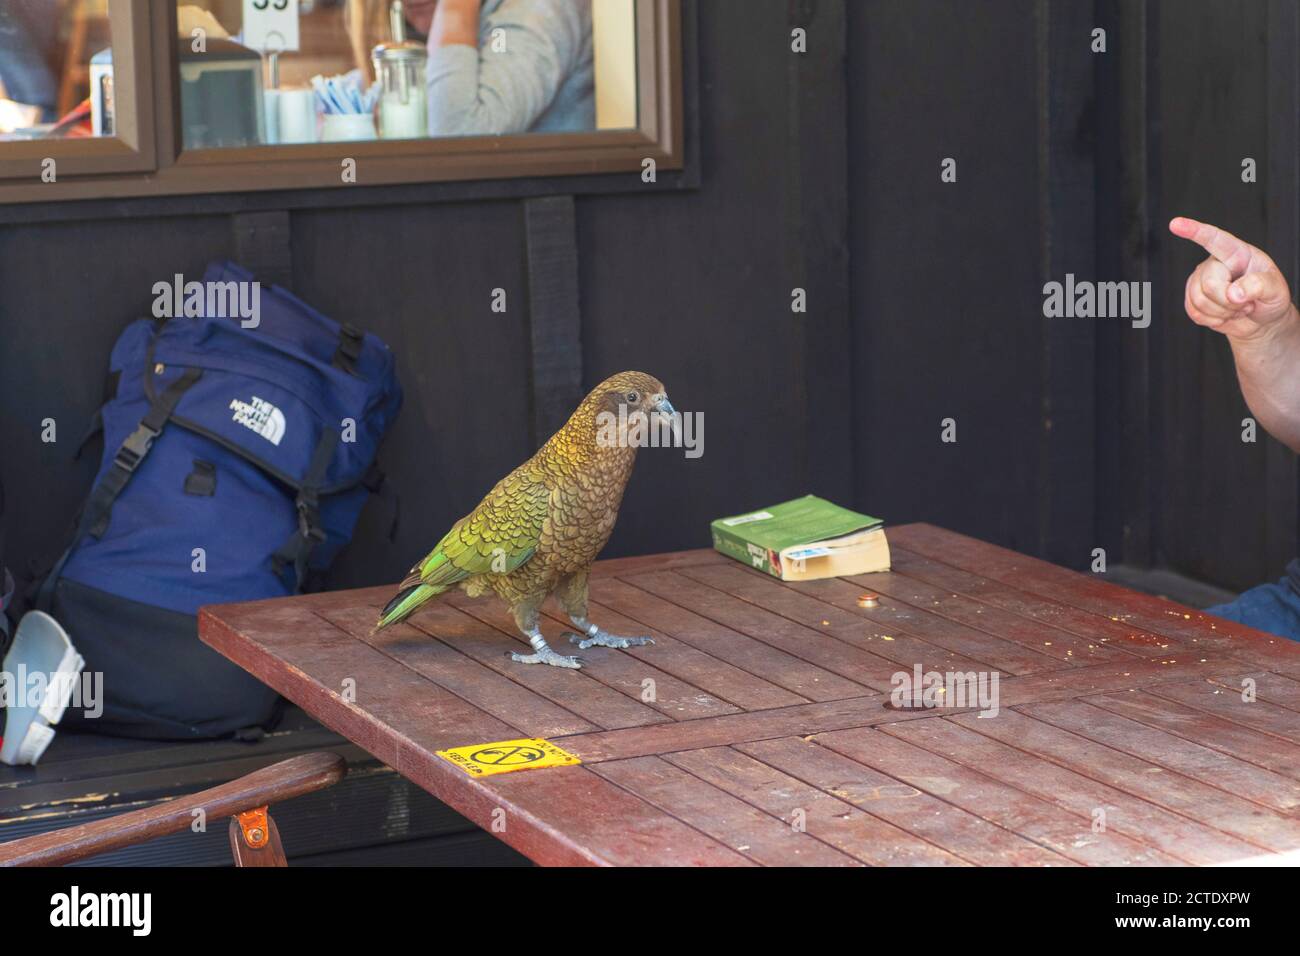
pixel 632 397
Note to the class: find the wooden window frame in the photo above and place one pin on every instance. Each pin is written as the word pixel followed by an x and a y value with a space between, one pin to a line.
pixel 168 169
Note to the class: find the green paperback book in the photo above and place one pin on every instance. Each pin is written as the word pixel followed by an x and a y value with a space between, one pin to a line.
pixel 804 539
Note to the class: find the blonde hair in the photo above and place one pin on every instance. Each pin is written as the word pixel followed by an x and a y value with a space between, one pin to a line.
pixel 366 24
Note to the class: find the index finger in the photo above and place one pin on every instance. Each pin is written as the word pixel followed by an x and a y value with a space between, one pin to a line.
pixel 1223 245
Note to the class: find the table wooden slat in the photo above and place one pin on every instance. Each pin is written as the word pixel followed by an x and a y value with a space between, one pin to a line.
pixel 1231 814
pixel 752 656
pixel 1001 804
pixel 758 729
pixel 920 812
pixel 1225 736
pixel 731 821
pixel 913 595
pixel 1115 811
pixel 1214 698
pixel 1106 630
pixel 1274 688
pixel 447 666
pixel 717 670
pixel 891 617
pixel 1188 627
pixel 622 673
pixel 712 674
pixel 859 671
pixel 1161 749
pixel 491 646
pixel 829 818
pixel 826 716
pixel 895 648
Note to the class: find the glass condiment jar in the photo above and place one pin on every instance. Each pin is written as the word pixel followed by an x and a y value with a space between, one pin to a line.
pixel 401 67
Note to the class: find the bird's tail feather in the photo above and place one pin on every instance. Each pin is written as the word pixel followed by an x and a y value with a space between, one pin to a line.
pixel 405 602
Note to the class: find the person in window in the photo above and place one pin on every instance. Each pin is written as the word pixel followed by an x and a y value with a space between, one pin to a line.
pixel 1240 292
pixel 507 66
pixel 28 34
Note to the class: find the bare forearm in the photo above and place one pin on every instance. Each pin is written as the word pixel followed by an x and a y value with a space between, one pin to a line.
pixel 455 22
pixel 1268 368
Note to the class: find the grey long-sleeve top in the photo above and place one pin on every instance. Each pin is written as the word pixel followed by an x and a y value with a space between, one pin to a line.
pixel 536 75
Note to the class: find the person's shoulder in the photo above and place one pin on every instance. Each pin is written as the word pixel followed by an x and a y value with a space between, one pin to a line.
pixel 564 12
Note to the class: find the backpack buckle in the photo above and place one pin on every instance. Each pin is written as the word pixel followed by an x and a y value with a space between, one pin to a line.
pixel 135 447
pixel 307 525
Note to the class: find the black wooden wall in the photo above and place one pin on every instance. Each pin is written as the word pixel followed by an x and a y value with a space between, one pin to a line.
pixel 947 277
pixel 820 172
pixel 1202 86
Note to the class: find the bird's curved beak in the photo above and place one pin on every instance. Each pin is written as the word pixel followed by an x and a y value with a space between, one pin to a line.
pixel 665 408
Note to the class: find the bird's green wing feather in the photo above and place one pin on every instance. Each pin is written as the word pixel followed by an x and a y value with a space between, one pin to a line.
pixel 496 537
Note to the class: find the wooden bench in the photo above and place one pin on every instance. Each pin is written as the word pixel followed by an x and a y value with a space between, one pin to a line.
pixel 372 816
pixel 254 836
pixel 759 728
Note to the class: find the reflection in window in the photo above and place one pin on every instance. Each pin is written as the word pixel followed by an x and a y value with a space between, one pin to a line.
pixel 56 72
pixel 331 70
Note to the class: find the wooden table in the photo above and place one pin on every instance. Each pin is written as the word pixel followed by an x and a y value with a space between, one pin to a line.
pixel 1123 737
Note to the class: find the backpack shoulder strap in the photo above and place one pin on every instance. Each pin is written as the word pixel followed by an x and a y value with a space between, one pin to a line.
pixel 99 506
pixel 132 451
pixel 297 550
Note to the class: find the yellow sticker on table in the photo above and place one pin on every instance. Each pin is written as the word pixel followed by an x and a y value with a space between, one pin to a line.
pixel 504 756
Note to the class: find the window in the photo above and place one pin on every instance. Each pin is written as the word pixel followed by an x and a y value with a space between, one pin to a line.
pixel 72 100
pixel 282 94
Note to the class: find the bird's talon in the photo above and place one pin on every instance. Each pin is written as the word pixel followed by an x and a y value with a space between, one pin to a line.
pixel 548 656
pixel 605 639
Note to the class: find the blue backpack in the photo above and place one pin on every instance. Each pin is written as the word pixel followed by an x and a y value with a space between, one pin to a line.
pixel 236 463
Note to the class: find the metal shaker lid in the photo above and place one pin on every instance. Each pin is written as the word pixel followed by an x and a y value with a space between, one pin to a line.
pixel 406 51
pixel 398 49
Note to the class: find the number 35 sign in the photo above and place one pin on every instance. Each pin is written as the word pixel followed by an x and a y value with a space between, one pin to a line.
pixel 271 25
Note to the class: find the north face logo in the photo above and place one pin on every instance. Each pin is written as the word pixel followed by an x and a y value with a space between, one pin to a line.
pixel 260 416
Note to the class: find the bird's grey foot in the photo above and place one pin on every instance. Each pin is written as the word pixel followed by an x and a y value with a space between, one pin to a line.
pixel 597 637
pixel 542 654
pixel 548 656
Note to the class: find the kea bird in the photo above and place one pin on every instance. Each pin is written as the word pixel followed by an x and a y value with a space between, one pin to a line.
pixel 540 528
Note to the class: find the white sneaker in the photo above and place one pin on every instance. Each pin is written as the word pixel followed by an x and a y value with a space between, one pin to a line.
pixel 41 646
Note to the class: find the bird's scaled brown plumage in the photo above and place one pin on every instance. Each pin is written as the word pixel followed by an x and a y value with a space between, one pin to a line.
pixel 537 532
